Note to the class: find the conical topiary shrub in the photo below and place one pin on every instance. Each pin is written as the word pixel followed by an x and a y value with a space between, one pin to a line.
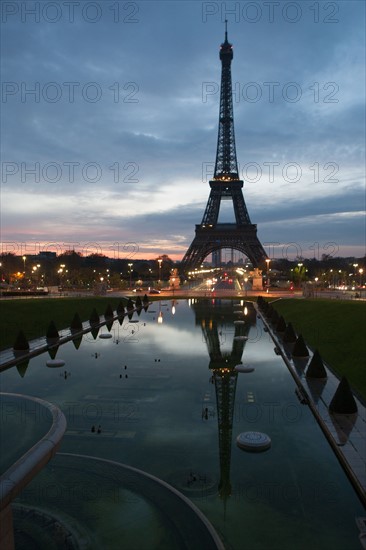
pixel 77 341
pixel 94 332
pixel 138 302
pixel 316 367
pixel 281 325
pixel 94 317
pixel 21 343
pixel 52 351
pixel 120 309
pixel 300 349
pixel 52 332
pixel 22 367
pixel 289 335
pixel 343 401
pixel 269 311
pixel 343 425
pixel 130 305
pixel 120 312
pixel 145 299
pixel 274 317
pixel 108 314
pixel 76 324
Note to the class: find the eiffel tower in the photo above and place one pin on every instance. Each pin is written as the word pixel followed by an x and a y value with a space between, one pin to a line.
pixel 211 235
pixel 213 318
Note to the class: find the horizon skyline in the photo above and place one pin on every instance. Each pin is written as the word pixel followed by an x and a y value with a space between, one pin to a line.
pixel 238 257
pixel 88 109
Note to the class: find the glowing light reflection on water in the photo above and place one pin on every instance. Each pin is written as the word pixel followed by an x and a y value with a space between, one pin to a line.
pixel 158 403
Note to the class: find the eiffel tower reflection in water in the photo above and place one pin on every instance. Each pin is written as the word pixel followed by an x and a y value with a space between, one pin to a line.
pixel 222 321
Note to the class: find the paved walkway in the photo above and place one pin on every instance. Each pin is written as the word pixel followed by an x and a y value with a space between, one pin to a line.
pixel 345 433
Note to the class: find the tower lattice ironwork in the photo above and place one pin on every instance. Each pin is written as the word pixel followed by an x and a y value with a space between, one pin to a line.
pixel 217 326
pixel 226 185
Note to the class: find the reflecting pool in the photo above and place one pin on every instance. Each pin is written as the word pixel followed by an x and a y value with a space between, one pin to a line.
pixel 162 395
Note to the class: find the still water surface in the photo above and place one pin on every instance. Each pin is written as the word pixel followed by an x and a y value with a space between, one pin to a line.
pixel 166 400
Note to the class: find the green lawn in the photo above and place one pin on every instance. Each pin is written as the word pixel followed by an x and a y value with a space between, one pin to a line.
pixel 337 329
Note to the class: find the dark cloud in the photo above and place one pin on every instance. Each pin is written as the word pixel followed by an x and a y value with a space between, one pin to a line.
pixel 141 98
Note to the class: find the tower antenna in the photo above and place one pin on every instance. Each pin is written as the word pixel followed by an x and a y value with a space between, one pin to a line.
pixel 211 235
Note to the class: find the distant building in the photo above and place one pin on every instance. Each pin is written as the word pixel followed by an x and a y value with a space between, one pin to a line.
pixel 47 255
pixel 216 258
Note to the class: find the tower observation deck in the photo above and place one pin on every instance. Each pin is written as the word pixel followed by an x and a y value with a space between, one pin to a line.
pixel 225 185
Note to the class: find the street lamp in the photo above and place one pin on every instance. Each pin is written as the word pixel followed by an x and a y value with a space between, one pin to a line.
pixel 355 266
pixel 160 262
pixel 299 265
pixel 130 266
pixel 24 258
pixel 268 262
pixel 360 272
pixel 246 289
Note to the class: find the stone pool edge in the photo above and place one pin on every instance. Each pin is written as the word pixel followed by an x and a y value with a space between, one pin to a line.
pixel 347 467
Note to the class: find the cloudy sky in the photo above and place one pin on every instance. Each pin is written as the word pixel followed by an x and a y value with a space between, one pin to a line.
pixel 110 112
